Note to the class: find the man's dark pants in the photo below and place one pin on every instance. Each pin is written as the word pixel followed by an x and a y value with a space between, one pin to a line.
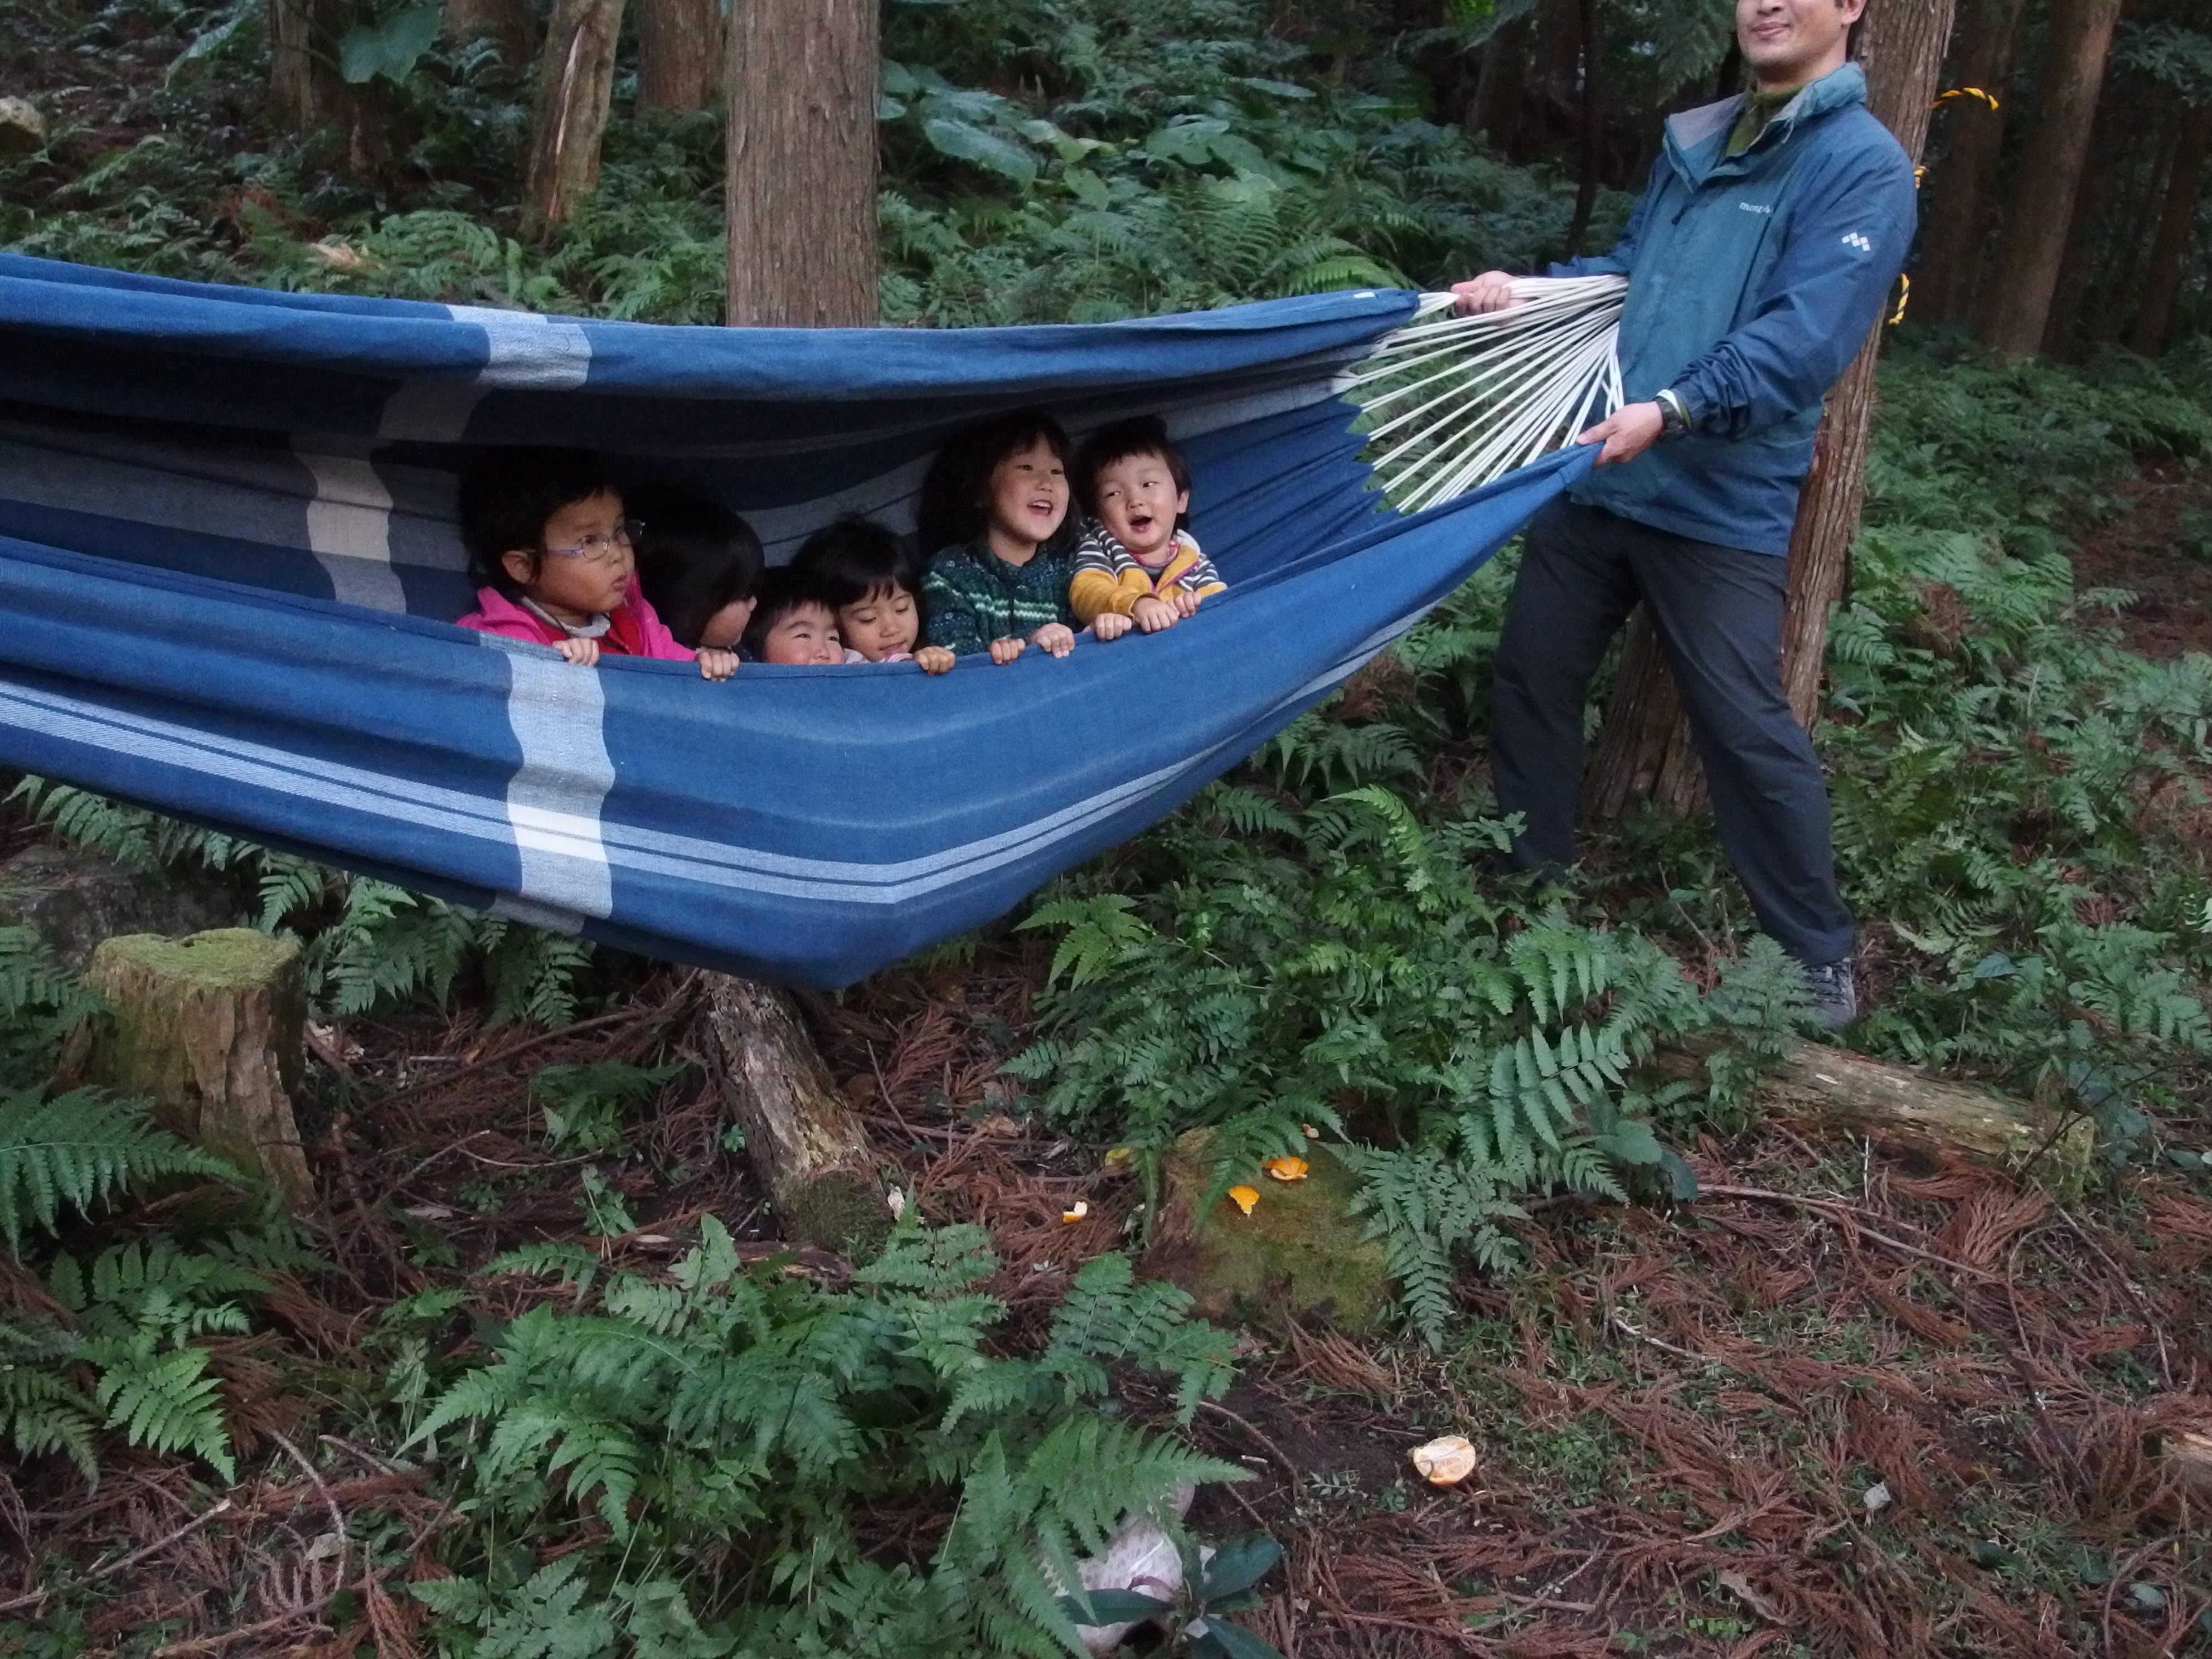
pixel 1717 611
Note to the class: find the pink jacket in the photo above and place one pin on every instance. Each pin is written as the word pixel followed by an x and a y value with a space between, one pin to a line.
pixel 634 621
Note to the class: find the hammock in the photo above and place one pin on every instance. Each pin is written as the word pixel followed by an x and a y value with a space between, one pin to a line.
pixel 228 551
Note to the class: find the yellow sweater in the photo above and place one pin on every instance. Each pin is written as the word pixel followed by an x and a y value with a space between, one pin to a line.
pixel 1109 578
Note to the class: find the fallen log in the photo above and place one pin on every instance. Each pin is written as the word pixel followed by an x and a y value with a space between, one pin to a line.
pixel 1904 1109
pixel 209 1029
pixel 810 1147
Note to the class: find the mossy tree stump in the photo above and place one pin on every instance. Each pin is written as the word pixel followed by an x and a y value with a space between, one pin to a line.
pixel 1300 1253
pixel 810 1147
pixel 209 1029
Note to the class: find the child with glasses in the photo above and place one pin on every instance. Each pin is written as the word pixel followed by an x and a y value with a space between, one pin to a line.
pixel 552 550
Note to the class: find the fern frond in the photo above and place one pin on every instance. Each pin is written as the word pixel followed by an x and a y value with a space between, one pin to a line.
pixel 76 1151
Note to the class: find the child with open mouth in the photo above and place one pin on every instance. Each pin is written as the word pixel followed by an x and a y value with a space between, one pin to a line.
pixel 1137 563
pixel 994 517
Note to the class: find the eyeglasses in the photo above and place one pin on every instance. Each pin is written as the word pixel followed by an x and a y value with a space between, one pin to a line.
pixel 604 550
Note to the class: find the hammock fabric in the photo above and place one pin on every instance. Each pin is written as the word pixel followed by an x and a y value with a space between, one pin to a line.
pixel 227 548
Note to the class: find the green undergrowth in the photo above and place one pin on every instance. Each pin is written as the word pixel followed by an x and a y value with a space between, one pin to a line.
pixel 1043 161
pixel 2019 823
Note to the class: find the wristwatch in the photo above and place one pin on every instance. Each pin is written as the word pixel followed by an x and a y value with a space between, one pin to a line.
pixel 1673 415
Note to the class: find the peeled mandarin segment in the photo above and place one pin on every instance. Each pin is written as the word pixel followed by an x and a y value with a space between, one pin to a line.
pixel 1077 1212
pixel 1286 1168
pixel 1446 1461
pixel 1244 1198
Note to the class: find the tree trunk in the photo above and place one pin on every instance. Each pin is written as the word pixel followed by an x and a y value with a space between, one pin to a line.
pixel 1906 1110
pixel 811 1150
pixel 2169 253
pixel 679 53
pixel 1495 109
pixel 304 87
pixel 802 164
pixel 1593 131
pixel 510 23
pixel 569 116
pixel 1959 209
pixel 2041 206
pixel 2120 198
pixel 1646 748
pixel 209 1029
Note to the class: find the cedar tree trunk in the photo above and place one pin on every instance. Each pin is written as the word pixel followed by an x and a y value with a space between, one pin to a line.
pixel 2040 210
pixel 1958 209
pixel 802 164
pixel 304 87
pixel 1645 746
pixel 1496 110
pixel 1593 131
pixel 679 53
pixel 512 23
pixel 569 118
pixel 2169 254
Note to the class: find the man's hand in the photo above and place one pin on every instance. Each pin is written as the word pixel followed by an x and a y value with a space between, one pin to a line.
pixel 1491 291
pixel 585 653
pixel 934 659
pixel 1058 638
pixel 1151 614
pixel 1626 433
pixel 1108 625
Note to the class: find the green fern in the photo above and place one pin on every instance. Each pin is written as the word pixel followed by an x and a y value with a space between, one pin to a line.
pixel 76 1151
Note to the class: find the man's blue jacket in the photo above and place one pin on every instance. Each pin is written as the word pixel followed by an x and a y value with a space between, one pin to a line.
pixel 1753 281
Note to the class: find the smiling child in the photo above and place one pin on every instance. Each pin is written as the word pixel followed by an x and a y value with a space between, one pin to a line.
pixel 1137 563
pixel 998 497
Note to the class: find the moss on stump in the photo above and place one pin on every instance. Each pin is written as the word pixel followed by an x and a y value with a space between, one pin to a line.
pixel 209 1029
pixel 1299 1253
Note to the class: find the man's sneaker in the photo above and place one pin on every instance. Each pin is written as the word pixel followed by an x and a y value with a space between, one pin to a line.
pixel 1835 990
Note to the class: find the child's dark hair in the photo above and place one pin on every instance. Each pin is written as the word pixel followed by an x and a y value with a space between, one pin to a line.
pixel 856 558
pixel 694 557
pixel 955 505
pixel 1140 434
pixel 783 589
pixel 506 497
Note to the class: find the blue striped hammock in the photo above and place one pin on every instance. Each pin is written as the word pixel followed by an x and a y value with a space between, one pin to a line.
pixel 228 546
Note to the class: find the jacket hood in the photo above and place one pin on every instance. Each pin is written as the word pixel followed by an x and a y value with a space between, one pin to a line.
pixel 1693 128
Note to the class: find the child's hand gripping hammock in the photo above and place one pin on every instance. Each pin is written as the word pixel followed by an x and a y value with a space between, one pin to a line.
pixel 1452 403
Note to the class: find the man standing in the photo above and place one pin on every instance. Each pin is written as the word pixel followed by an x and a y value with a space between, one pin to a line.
pixel 1771 233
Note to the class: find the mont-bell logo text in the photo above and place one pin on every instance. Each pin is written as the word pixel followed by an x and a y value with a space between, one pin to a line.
pixel 1853 239
pixel 1756 207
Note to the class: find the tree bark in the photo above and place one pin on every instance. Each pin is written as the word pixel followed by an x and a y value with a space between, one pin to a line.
pixel 1906 1110
pixel 1496 110
pixel 810 1148
pixel 802 164
pixel 1958 209
pixel 304 87
pixel 2041 206
pixel 679 53
pixel 2169 253
pixel 1592 137
pixel 1646 748
pixel 510 23
pixel 2121 197
pixel 569 116
pixel 208 1027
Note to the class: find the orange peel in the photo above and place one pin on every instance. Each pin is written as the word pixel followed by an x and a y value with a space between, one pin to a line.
pixel 1311 1132
pixel 1446 1461
pixel 1075 1211
pixel 1243 1198
pixel 1285 1169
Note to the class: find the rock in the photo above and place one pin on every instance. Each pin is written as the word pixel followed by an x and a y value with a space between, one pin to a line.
pixel 22 128
pixel 1299 1253
pixel 210 1028
pixel 74 900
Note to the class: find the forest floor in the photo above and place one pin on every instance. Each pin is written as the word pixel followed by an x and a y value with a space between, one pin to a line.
pixel 1837 1405
pixel 2159 547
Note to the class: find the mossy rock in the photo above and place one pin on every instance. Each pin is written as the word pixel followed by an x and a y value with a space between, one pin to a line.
pixel 74 900
pixel 1300 1253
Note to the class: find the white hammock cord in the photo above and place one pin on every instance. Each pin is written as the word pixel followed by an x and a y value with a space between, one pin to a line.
pixel 1465 400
